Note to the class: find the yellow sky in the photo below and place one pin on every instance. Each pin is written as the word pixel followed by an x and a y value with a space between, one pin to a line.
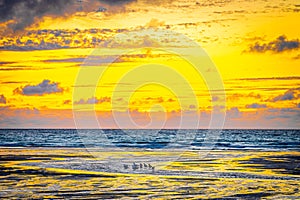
pixel 134 45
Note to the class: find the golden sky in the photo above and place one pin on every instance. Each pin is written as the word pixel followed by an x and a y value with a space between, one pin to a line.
pixel 150 64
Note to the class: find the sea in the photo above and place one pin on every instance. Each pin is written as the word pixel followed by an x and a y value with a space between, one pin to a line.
pixel 149 164
pixel 153 139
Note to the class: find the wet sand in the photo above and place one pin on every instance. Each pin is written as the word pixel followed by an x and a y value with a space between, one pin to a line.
pixel 78 174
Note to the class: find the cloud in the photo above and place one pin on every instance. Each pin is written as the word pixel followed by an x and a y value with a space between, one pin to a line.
pixel 256 105
pixel 270 78
pixel 5 63
pixel 233 113
pixel 20 14
pixel 296 57
pixel 93 100
pixel 192 107
pixel 45 87
pixel 238 96
pixel 12 82
pixel 153 36
pixel 280 118
pixel 12 117
pixel 103 60
pixel 147 37
pixel 67 60
pixel 2 99
pixel 279 45
pixel 215 98
pixel 67 102
pixel 153 100
pixel 24 13
pixel 290 94
pixel 117 2
pixel 31 117
pixel 153 23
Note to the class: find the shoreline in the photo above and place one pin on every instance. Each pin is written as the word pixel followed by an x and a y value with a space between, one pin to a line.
pixel 76 174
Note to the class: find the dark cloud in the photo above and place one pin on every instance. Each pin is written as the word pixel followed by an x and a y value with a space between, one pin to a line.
pixel 279 45
pixel 290 94
pixel 2 99
pixel 256 105
pixel 25 13
pixel 45 87
pixel 94 100
pixel 117 2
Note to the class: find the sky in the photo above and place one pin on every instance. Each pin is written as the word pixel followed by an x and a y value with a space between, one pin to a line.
pixel 150 64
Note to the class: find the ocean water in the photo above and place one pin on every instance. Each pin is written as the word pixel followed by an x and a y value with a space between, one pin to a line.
pixel 226 164
pixel 153 139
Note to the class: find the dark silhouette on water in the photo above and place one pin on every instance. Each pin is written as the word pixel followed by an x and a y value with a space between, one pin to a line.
pixel 135 166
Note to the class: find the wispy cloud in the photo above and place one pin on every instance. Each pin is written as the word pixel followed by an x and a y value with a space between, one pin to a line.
pixel 66 60
pixel 237 96
pixel 270 78
pixel 45 87
pixel 13 82
pixel 93 100
pixel 5 63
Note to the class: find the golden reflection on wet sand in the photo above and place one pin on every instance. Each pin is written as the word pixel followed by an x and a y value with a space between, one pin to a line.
pixel 77 174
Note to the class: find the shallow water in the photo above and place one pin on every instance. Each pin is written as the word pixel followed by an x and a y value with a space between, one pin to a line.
pixel 75 173
pixel 150 164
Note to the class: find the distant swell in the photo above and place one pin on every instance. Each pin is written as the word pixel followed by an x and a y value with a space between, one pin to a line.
pixel 228 139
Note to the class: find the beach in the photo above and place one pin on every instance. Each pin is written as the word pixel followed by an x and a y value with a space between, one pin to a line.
pixel 80 173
